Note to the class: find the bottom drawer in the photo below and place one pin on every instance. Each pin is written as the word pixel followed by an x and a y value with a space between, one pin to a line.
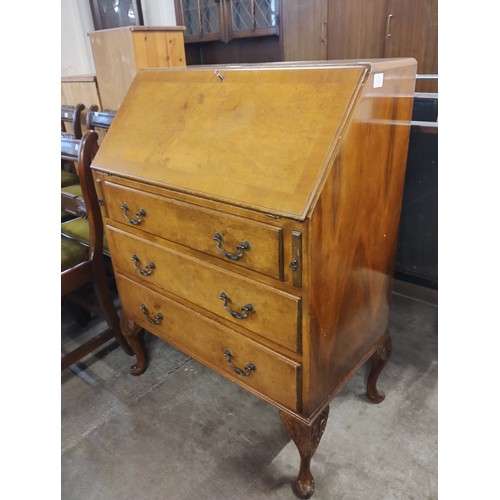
pixel 243 360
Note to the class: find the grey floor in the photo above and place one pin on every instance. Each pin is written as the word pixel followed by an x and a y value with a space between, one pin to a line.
pixel 182 432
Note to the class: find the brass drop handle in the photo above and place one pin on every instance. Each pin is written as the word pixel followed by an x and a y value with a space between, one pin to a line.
pixel 141 213
pixel 245 309
pixel 239 254
pixel 149 267
pixel 155 320
pixel 247 370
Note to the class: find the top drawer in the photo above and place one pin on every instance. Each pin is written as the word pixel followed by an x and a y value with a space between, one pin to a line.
pixel 250 244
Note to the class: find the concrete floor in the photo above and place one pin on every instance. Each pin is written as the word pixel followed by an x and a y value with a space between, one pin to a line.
pixel 182 432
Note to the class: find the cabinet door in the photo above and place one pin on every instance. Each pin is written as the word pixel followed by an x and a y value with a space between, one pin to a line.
pixel 412 31
pixel 356 29
pixel 304 30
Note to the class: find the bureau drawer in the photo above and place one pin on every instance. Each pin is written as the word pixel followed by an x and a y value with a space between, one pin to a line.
pixel 265 310
pixel 242 242
pixel 252 365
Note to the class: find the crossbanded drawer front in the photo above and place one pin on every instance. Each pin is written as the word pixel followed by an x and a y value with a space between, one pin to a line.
pixel 249 363
pixel 241 242
pixel 260 308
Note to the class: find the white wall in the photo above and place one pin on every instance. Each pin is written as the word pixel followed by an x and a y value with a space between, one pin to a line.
pixel 158 12
pixel 76 23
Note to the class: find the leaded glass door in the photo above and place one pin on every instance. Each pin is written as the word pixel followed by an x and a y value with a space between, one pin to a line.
pixel 202 18
pixel 253 18
pixel 226 19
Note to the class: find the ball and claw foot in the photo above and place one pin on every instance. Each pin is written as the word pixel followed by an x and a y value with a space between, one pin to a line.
pixel 306 438
pixel 304 485
pixel 379 360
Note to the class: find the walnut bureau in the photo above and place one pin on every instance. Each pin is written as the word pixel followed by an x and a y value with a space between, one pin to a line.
pixel 252 215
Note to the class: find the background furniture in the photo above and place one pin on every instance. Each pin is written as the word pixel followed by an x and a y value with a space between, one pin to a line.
pixel 120 52
pixel 84 265
pixel 71 128
pixel 362 29
pixel 71 189
pixel 230 31
pixel 276 269
pixel 417 255
pixel 294 30
pixel 225 20
pixel 100 121
pixel 80 89
pixel 71 120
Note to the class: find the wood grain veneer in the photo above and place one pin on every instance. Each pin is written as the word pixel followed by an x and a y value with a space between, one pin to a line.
pixel 299 168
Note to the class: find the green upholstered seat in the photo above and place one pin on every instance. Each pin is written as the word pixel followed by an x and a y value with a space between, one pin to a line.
pixel 74 189
pixel 68 178
pixel 65 216
pixel 72 253
pixel 78 229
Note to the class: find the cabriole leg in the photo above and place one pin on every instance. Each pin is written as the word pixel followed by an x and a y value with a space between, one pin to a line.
pixel 135 338
pixel 379 360
pixel 306 438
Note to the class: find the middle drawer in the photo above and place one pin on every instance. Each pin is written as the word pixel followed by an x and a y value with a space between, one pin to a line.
pixel 264 310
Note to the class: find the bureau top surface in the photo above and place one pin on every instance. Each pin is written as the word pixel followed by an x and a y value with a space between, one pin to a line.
pixel 260 137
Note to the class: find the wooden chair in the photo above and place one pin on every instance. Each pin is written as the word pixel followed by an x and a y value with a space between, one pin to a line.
pixel 73 116
pixel 82 265
pixel 69 178
pixel 71 190
pixel 99 119
pixel 75 225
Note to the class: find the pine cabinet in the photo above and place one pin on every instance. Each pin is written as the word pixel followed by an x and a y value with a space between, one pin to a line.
pixel 80 89
pixel 119 53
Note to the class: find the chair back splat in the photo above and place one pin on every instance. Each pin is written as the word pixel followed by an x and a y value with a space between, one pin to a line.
pixel 71 190
pixel 73 116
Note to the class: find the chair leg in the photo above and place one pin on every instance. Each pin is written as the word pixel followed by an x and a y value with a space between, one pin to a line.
pixel 86 348
pixel 105 301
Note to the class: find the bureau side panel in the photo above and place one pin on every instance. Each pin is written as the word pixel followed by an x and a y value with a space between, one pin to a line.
pixel 353 236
